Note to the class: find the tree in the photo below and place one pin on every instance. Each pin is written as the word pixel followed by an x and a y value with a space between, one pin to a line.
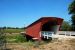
pixel 65 26
pixel 71 9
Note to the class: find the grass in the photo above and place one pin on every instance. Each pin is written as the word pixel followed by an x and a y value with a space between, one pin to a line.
pixel 13 35
pixel 13 30
pixel 56 45
pixel 18 42
pixel 15 38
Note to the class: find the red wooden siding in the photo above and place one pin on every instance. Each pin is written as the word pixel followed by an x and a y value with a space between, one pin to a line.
pixel 34 30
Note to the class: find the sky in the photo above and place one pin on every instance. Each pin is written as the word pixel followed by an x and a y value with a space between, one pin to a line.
pixel 21 13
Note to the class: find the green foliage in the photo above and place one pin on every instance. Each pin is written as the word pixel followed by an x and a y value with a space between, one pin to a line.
pixel 66 26
pixel 2 39
pixel 72 12
pixel 15 38
pixel 13 35
pixel 72 8
pixel 73 22
pixel 13 30
pixel 20 38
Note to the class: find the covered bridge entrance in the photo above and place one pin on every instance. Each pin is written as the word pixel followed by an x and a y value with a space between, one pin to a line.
pixel 48 29
pixel 44 28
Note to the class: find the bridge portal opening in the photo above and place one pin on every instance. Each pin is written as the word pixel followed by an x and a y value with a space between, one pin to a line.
pixel 48 29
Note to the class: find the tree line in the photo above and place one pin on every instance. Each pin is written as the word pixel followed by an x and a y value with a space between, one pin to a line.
pixel 12 27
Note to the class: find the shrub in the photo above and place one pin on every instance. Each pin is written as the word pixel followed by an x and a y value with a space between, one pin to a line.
pixel 20 38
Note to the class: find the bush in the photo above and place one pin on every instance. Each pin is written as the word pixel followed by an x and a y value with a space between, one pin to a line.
pixel 20 38
pixel 15 38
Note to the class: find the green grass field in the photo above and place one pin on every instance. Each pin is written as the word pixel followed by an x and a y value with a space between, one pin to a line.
pixel 13 30
pixel 14 35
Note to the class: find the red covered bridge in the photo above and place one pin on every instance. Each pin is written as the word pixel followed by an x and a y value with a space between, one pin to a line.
pixel 43 28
